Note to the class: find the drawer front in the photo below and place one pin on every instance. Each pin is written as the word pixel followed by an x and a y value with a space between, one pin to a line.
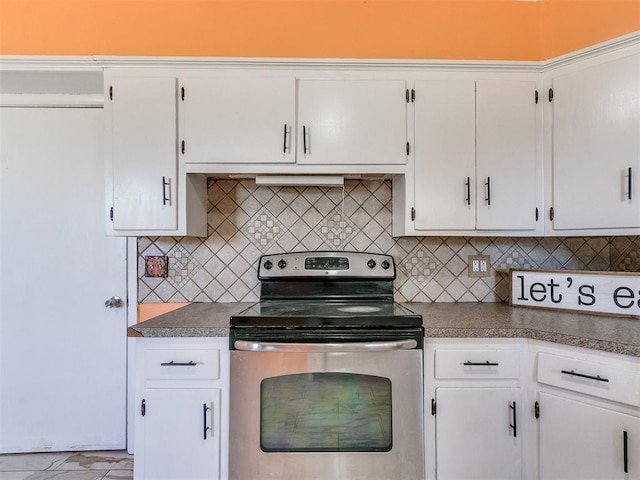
pixel 604 380
pixel 477 364
pixel 182 364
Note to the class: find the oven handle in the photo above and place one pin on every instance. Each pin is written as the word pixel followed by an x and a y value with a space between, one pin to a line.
pixel 250 346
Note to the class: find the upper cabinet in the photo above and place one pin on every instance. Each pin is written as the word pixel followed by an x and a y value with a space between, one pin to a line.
pixel 476 167
pixel 147 190
pixel 342 122
pixel 277 122
pixel 238 119
pixel 595 158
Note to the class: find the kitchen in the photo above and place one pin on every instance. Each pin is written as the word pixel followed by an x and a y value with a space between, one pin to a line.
pixel 360 216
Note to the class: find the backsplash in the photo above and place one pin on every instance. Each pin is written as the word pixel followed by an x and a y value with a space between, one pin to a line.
pixel 246 221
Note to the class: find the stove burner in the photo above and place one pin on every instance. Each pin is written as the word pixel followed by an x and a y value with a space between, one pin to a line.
pixel 359 309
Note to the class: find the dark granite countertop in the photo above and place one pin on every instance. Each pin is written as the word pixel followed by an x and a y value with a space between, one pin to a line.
pixel 440 320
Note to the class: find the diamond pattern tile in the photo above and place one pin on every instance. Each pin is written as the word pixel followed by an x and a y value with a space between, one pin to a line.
pixel 246 221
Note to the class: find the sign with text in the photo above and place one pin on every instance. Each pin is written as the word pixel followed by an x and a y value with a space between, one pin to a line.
pixel 614 293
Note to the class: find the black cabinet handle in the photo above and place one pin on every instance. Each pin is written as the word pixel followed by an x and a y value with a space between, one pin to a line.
pixel 629 183
pixel 467 186
pixel 284 142
pixel 304 139
pixel 625 446
pixel 481 364
pixel 191 363
pixel 514 426
pixel 143 407
pixel 488 185
pixel 582 375
pixel 204 420
pixel 165 184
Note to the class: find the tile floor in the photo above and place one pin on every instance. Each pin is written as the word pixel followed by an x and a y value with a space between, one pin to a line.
pixel 106 465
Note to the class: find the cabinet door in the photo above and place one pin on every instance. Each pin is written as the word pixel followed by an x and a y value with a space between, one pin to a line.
pixel 507 175
pixel 474 436
pixel 180 434
pixel 596 147
pixel 243 119
pixel 586 442
pixel 144 153
pixel 445 151
pixel 352 122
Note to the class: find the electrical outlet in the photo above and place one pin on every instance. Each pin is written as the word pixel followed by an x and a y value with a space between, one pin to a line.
pixel 479 265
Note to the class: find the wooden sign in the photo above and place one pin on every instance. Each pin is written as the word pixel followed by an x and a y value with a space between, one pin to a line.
pixel 615 293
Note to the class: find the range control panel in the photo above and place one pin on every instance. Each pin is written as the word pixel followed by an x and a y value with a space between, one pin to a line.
pixel 322 264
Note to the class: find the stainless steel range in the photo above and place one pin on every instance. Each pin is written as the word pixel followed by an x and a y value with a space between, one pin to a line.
pixel 326 373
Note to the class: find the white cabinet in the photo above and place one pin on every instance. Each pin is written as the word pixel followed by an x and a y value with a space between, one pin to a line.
pixel 477 433
pixel 473 392
pixel 239 119
pixel 596 147
pixel 476 167
pixel 147 190
pixel 582 441
pixel 354 121
pixel 180 435
pixel 181 424
pixel 588 408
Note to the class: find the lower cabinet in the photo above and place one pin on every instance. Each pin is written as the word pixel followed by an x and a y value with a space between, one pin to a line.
pixel 477 433
pixel 583 441
pixel 474 409
pixel 181 409
pixel 180 433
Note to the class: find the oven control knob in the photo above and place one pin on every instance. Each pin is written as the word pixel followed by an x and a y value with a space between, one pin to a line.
pixel 268 265
pixel 282 263
pixel 371 263
pixel 385 264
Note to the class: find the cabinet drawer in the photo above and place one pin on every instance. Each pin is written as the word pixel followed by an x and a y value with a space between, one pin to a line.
pixel 605 380
pixel 477 363
pixel 188 364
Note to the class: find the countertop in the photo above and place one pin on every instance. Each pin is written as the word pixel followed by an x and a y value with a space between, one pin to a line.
pixel 440 320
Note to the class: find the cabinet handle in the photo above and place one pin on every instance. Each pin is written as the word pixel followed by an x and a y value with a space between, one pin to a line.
pixel 488 185
pixel 166 182
pixel 582 375
pixel 481 364
pixel 204 420
pixel 143 407
pixel 467 186
pixel 191 363
pixel 284 141
pixel 625 445
pixel 629 183
pixel 514 426
pixel 304 139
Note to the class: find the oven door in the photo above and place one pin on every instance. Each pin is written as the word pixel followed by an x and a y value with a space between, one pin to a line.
pixel 326 412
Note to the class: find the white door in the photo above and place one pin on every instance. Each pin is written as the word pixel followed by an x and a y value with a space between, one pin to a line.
pixel 506 155
pixel 445 155
pixel 586 442
pixel 239 119
pixel 596 146
pixel 477 433
pixel 144 153
pixel 62 353
pixel 347 122
pixel 180 434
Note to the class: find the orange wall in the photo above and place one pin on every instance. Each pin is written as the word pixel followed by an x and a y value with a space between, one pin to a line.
pixel 431 29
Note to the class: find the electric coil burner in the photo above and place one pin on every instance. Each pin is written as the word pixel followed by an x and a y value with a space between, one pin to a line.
pixel 326 373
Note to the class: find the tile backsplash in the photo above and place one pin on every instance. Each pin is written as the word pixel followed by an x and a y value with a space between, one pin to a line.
pixel 246 221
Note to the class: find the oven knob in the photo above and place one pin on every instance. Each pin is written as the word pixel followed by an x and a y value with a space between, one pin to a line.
pixel 282 263
pixel 371 263
pixel 268 265
pixel 385 264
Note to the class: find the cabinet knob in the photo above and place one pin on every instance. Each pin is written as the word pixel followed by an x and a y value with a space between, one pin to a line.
pixel 113 302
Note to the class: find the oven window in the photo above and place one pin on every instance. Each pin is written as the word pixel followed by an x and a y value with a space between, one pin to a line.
pixel 325 412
